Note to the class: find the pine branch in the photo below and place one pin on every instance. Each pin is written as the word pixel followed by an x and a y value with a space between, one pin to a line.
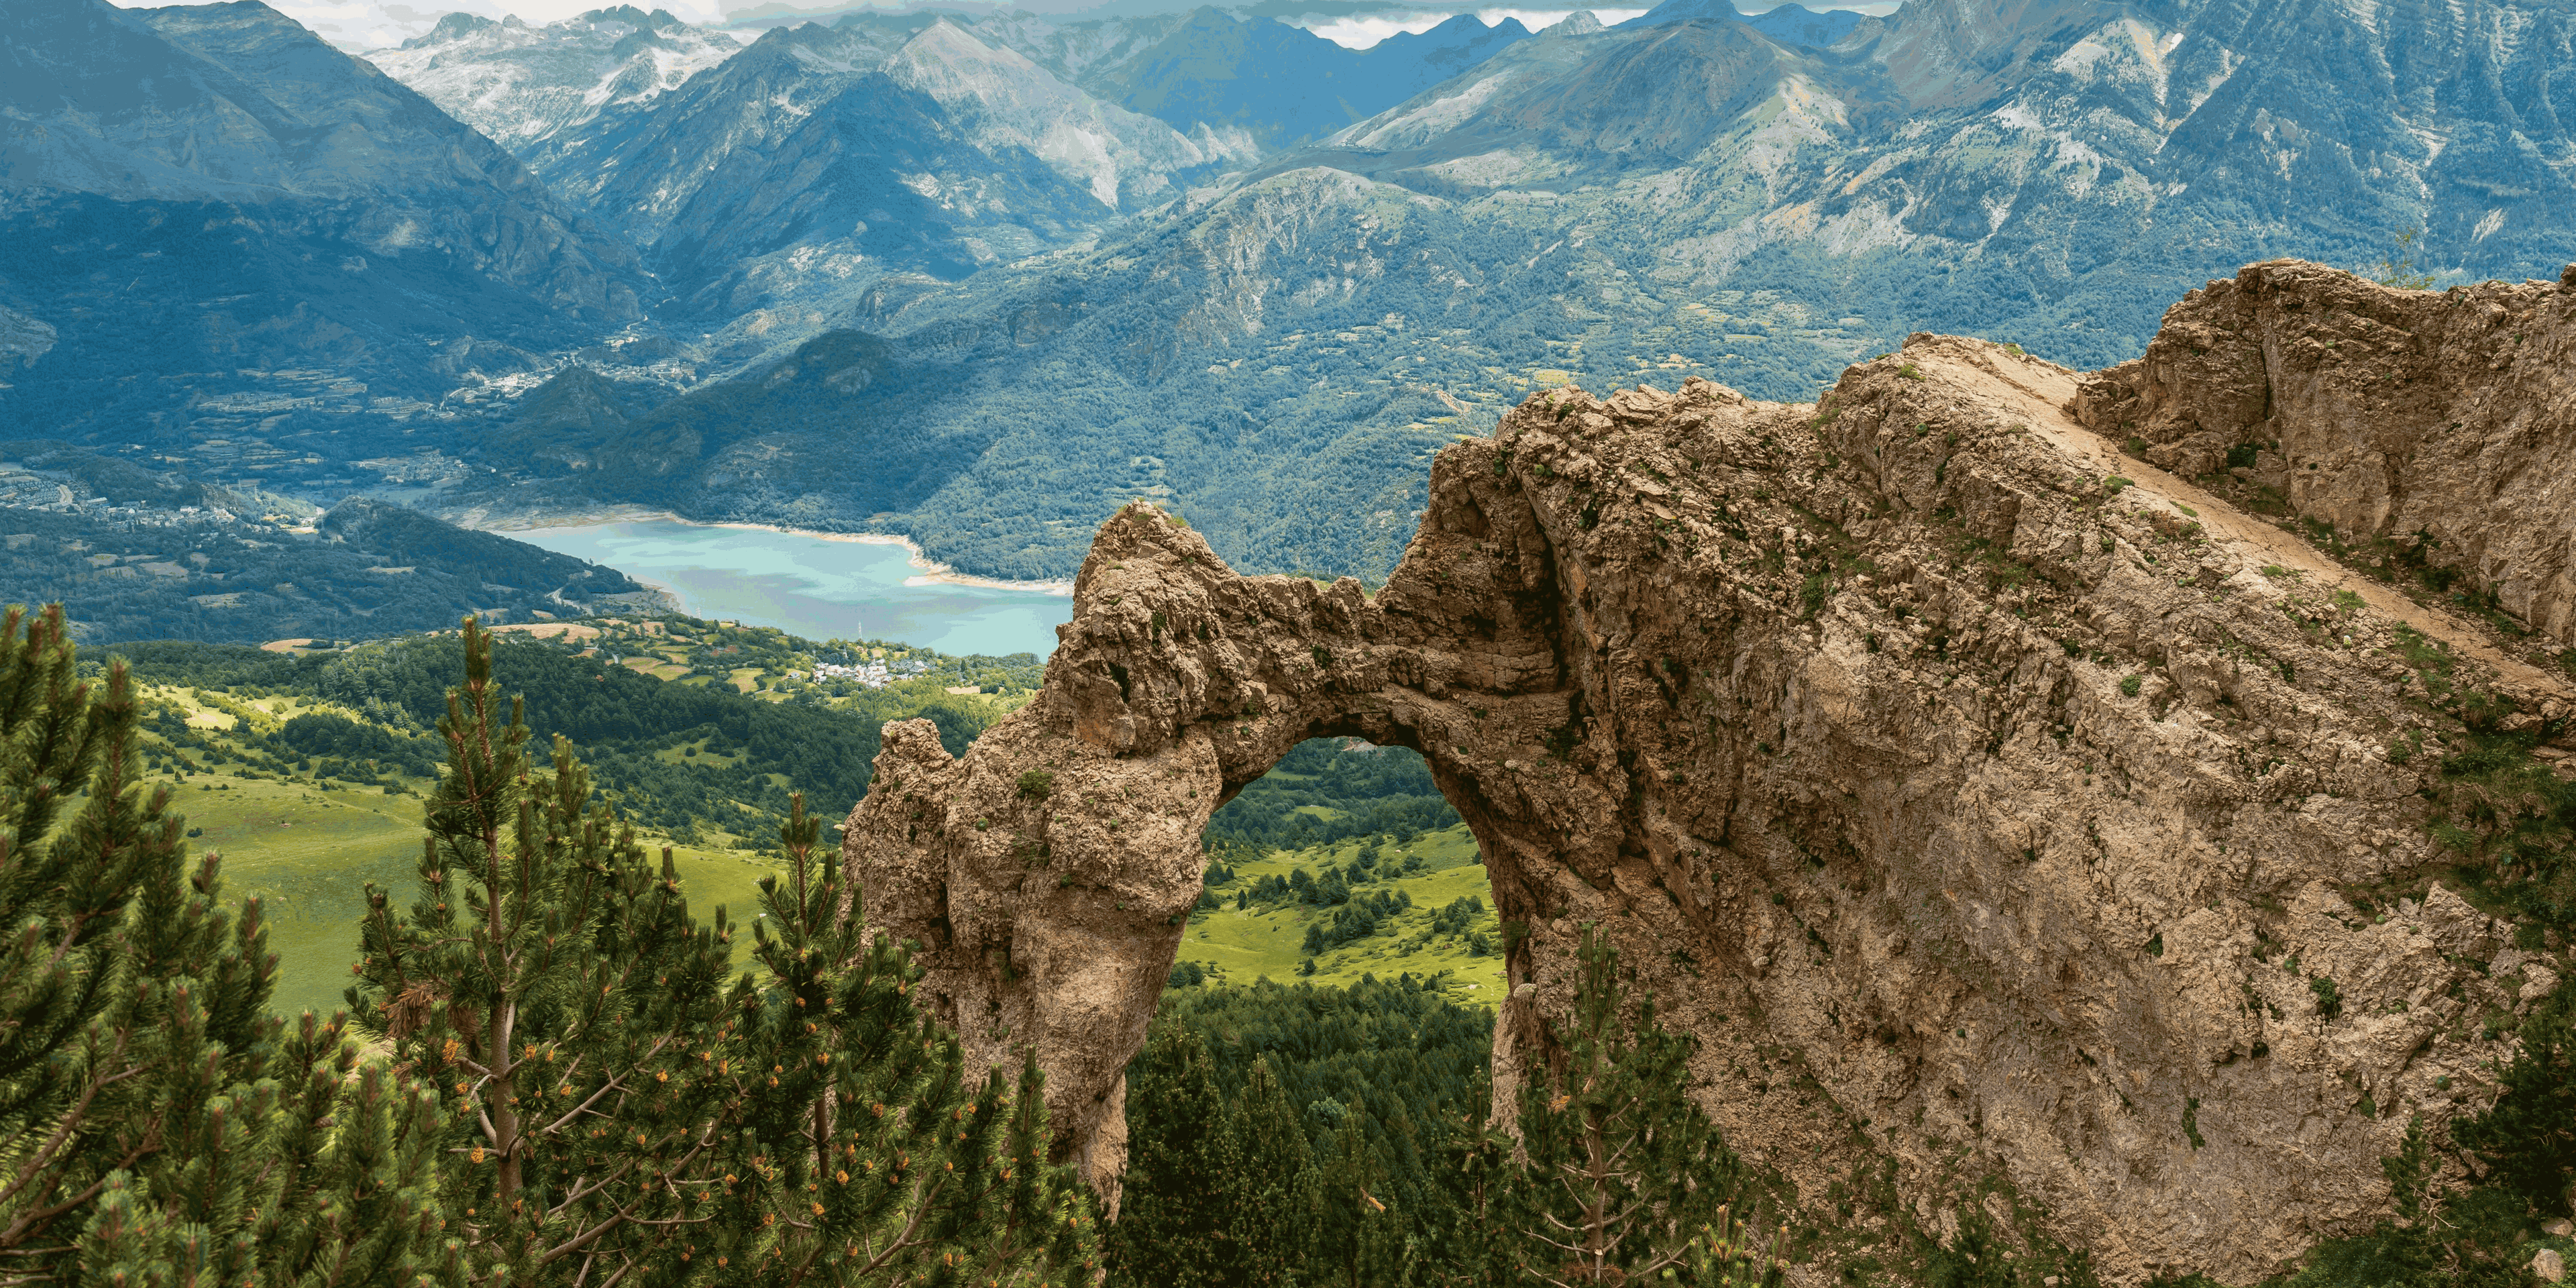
pixel 63 1130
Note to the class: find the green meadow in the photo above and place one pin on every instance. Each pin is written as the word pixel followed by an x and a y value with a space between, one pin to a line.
pixel 309 854
pixel 308 846
pixel 308 834
pixel 1242 945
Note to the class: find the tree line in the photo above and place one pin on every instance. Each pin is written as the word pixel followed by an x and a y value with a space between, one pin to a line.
pixel 622 719
pixel 1363 790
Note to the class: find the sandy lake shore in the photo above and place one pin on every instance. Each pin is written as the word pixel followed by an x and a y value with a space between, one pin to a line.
pixel 929 572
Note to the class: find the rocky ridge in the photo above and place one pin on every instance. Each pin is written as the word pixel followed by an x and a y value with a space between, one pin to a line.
pixel 521 85
pixel 2419 416
pixel 1986 803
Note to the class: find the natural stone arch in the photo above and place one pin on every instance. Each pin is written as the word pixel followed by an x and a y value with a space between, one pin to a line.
pixel 1931 806
pixel 1052 919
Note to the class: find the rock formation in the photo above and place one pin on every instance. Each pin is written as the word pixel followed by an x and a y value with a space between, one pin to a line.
pixel 1987 803
pixel 2386 413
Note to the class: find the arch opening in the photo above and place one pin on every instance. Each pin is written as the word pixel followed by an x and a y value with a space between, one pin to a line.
pixel 1343 862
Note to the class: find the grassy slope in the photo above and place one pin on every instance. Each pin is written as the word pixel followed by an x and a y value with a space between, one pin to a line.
pixel 1243 946
pixel 309 854
pixel 309 850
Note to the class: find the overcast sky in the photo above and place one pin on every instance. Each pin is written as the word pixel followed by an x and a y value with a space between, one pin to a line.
pixel 358 25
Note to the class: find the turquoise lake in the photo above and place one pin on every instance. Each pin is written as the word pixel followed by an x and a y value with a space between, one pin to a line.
pixel 814 586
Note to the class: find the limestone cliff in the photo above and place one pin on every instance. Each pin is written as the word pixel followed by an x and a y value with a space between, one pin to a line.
pixel 2447 418
pixel 1982 811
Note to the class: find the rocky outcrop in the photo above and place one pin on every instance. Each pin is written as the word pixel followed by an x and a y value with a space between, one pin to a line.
pixel 1983 812
pixel 2445 419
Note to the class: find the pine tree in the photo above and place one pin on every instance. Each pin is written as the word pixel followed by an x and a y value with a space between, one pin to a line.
pixel 1975 1256
pixel 158 1125
pixel 1625 1176
pixel 1476 1170
pixel 550 982
pixel 944 1178
pixel 1176 1211
pixel 1356 1237
pixel 1271 1159
pixel 628 1111
pixel 2527 1139
pixel 328 1173
pixel 1734 1254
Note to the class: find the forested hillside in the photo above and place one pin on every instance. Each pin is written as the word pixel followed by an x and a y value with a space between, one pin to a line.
pixel 146 554
pixel 1332 789
pixel 1375 1090
pixel 676 756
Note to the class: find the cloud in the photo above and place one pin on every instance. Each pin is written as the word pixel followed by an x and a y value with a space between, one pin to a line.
pixel 1360 32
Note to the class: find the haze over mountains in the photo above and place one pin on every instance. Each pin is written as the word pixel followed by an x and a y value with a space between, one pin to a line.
pixel 207 212
pixel 979 278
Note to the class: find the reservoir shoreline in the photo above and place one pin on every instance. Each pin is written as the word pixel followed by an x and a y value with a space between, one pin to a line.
pixel 816 585
pixel 928 571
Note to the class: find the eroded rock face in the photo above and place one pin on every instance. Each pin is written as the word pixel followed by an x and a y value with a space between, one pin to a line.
pixel 1973 815
pixel 2397 415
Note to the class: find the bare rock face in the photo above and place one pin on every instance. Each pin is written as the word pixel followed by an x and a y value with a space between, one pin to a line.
pixel 1979 817
pixel 2443 418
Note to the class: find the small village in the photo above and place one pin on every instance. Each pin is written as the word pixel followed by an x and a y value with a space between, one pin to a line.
pixel 872 674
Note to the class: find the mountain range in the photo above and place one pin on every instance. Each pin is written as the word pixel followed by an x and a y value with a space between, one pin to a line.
pixel 521 85
pixel 213 221
pixel 977 278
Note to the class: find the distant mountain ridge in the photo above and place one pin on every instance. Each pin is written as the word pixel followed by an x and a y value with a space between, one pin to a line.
pixel 1687 197
pixel 974 278
pixel 520 84
pixel 1283 84
pixel 787 179
pixel 196 199
pixel 1789 24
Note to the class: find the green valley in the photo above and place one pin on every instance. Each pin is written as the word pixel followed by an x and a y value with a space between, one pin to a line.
pixel 306 767
pixel 308 851
pixel 1265 910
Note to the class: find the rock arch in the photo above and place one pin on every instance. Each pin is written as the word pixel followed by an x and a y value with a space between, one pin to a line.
pixel 1049 872
pixel 1953 799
